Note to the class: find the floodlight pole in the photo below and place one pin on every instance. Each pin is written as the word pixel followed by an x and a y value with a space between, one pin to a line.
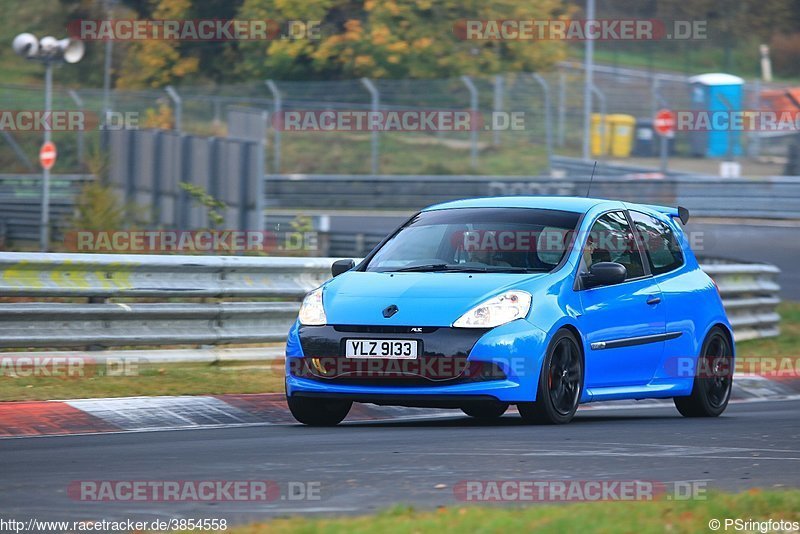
pixel 44 226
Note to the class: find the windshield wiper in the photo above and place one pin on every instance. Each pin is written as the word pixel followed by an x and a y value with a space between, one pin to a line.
pixel 423 267
pixel 455 267
pixel 487 269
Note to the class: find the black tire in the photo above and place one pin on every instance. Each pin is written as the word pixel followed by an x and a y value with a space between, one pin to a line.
pixel 713 379
pixel 560 383
pixel 318 412
pixel 485 410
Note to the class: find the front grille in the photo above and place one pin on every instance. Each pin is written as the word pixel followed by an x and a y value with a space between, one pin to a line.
pixel 385 372
pixel 443 358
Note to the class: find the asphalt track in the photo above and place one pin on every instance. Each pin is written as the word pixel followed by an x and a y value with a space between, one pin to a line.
pixel 364 467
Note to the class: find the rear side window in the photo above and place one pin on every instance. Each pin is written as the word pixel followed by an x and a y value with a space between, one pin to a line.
pixel 611 239
pixel 663 250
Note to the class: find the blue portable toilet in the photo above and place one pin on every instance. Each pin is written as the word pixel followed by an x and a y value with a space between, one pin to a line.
pixel 722 93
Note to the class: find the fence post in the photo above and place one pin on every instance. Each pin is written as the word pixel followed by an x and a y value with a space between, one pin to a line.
pixel 655 95
pixel 754 141
pixel 176 100
pixel 602 99
pixel 156 209
pixel 133 164
pixel 658 101
pixel 183 174
pixel 588 84
pixel 78 102
pixel 562 90
pixel 473 134
pixel 548 120
pixel 259 206
pixel 277 107
pixel 376 102
pixel 217 111
pixel 499 83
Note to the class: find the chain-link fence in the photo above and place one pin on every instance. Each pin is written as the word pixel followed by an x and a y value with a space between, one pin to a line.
pixel 522 119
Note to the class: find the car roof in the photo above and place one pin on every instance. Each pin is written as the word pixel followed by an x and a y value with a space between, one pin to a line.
pixel 574 204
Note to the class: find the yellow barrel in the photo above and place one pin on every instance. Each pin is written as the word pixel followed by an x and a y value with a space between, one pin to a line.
pixel 620 130
pixel 600 137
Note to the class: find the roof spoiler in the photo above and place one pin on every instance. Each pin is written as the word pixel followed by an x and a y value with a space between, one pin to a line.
pixel 683 215
pixel 680 213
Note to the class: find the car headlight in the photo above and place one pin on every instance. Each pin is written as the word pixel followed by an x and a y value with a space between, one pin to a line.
pixel 496 311
pixel 312 313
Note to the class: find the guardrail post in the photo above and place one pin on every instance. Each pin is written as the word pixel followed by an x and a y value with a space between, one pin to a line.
pixel 277 107
pixel 375 97
pixel 473 134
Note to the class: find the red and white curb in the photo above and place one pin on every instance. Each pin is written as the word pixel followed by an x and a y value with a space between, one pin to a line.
pixel 151 414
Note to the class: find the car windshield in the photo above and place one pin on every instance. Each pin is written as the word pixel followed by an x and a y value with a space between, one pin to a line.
pixel 479 240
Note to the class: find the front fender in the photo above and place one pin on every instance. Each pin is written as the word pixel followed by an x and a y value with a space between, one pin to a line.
pixel 518 349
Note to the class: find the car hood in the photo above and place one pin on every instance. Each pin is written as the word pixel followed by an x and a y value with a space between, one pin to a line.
pixel 422 299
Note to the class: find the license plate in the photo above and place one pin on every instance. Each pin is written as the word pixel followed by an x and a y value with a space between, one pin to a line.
pixel 395 349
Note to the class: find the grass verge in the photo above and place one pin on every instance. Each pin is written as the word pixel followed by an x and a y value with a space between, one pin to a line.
pixel 787 345
pixel 406 153
pixel 92 381
pixel 611 517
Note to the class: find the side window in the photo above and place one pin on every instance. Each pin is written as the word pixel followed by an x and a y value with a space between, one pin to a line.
pixel 663 250
pixel 611 239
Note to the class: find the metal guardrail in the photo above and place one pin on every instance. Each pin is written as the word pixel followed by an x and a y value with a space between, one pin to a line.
pixel 750 294
pixel 776 197
pixel 169 279
pixel 580 167
pixel 20 201
pixel 160 276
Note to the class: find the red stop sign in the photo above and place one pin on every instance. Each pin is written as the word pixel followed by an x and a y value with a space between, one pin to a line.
pixel 664 123
pixel 47 155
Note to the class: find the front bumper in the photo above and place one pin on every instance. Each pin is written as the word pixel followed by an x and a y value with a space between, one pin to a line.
pixel 502 364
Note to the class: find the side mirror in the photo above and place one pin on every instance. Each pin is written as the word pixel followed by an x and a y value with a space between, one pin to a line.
pixel 604 273
pixel 342 266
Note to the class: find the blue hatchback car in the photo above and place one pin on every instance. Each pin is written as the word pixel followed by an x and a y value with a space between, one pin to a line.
pixel 541 302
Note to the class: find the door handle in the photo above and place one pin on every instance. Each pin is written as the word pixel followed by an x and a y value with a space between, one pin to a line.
pixel 653 300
